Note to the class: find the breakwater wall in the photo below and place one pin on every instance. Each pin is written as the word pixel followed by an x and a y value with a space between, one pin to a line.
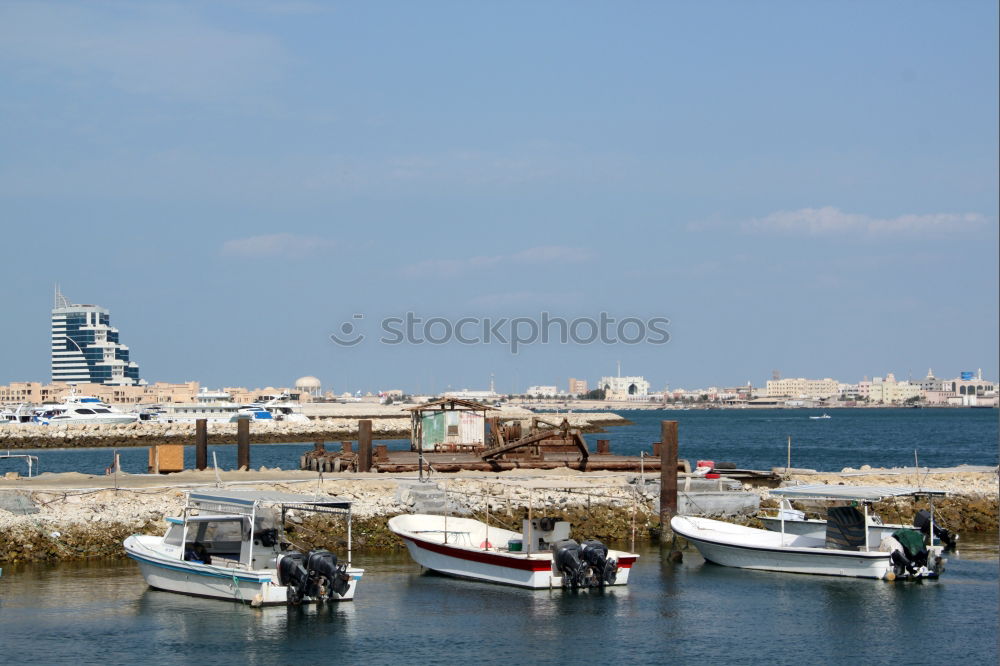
pixel 92 523
pixel 147 433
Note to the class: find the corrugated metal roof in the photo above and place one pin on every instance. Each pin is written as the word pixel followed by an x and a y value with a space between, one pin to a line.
pixel 859 493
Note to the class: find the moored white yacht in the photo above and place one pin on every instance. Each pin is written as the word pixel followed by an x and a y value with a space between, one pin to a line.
pixel 211 405
pixel 274 408
pixel 81 409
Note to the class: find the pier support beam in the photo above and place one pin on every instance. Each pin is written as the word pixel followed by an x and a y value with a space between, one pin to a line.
pixel 603 446
pixel 243 444
pixel 201 444
pixel 365 445
pixel 668 472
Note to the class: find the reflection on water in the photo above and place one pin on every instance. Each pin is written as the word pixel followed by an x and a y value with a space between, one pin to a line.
pixel 102 612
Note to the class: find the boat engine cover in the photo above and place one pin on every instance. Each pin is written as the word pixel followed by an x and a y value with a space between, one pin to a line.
pixel 323 568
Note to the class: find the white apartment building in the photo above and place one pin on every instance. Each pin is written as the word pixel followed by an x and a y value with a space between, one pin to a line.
pixel 803 388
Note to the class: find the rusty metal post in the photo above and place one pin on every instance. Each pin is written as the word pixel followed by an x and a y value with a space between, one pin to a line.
pixel 668 472
pixel 365 445
pixel 201 444
pixel 382 451
pixel 656 449
pixel 603 446
pixel 346 447
pixel 243 444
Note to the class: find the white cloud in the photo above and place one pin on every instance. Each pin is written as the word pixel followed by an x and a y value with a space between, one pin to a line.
pixel 276 245
pixel 446 268
pixel 830 220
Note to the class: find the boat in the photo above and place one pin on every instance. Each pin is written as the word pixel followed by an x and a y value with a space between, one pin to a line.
pixel 845 550
pixel 794 521
pixel 230 544
pixel 217 406
pixel 274 408
pixel 823 416
pixel 541 556
pixel 83 409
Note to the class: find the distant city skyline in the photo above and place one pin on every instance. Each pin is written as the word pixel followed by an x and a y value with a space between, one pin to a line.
pixel 804 187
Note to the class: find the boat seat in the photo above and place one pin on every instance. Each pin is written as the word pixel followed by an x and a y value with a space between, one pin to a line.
pixel 845 528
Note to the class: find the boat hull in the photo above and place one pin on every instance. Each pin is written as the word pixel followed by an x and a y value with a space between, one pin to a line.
pixel 722 545
pixel 534 571
pixel 258 588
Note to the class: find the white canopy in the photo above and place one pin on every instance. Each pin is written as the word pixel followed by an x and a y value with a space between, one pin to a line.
pixel 856 493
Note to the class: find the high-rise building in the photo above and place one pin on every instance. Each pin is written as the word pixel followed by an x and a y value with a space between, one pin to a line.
pixel 85 348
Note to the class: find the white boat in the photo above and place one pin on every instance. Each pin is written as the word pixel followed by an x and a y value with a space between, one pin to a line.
pixel 274 408
pixel 846 549
pixel 542 556
pixel 229 544
pixel 794 521
pixel 215 406
pixel 822 416
pixel 81 409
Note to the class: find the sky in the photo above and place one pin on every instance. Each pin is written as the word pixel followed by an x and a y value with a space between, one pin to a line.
pixel 810 188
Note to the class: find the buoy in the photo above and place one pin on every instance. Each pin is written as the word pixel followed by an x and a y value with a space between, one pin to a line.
pixel 486 544
pixel 889 575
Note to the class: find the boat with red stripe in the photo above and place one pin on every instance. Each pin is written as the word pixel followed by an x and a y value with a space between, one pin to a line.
pixel 541 556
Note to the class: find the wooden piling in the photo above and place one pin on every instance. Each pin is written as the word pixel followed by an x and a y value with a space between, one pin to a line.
pixel 365 445
pixel 603 446
pixel 668 472
pixel 347 447
pixel 243 444
pixel 201 444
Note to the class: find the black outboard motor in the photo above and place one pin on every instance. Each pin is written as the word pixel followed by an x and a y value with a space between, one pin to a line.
pixel 569 562
pixel 603 570
pixel 328 577
pixel 293 576
pixel 922 521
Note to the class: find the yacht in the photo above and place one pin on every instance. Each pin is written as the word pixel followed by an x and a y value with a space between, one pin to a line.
pixel 211 405
pixel 81 409
pixel 274 408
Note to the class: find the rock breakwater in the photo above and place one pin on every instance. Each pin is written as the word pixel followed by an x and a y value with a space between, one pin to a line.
pixel 146 433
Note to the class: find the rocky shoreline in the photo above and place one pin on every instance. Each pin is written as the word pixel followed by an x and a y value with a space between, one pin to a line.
pixel 80 517
pixel 147 433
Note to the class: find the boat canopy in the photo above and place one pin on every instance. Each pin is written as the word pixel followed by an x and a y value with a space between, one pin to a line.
pixel 855 493
pixel 249 498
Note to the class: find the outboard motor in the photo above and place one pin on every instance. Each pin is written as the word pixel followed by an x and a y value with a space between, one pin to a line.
pixel 293 576
pixel 327 576
pixel 568 558
pixel 922 521
pixel 603 569
pixel 912 554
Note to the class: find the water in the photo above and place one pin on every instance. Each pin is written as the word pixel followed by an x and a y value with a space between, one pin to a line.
pixel 758 439
pixel 103 613
pixel 754 439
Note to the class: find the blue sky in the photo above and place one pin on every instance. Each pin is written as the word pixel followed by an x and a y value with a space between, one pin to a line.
pixel 808 187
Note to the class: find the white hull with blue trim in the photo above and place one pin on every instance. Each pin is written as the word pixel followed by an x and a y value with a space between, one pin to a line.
pixel 229 544
pixel 163 572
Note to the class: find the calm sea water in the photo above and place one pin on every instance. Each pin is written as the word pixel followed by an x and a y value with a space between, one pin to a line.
pixel 754 439
pixel 103 613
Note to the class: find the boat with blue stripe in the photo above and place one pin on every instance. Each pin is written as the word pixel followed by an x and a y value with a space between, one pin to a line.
pixel 230 544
